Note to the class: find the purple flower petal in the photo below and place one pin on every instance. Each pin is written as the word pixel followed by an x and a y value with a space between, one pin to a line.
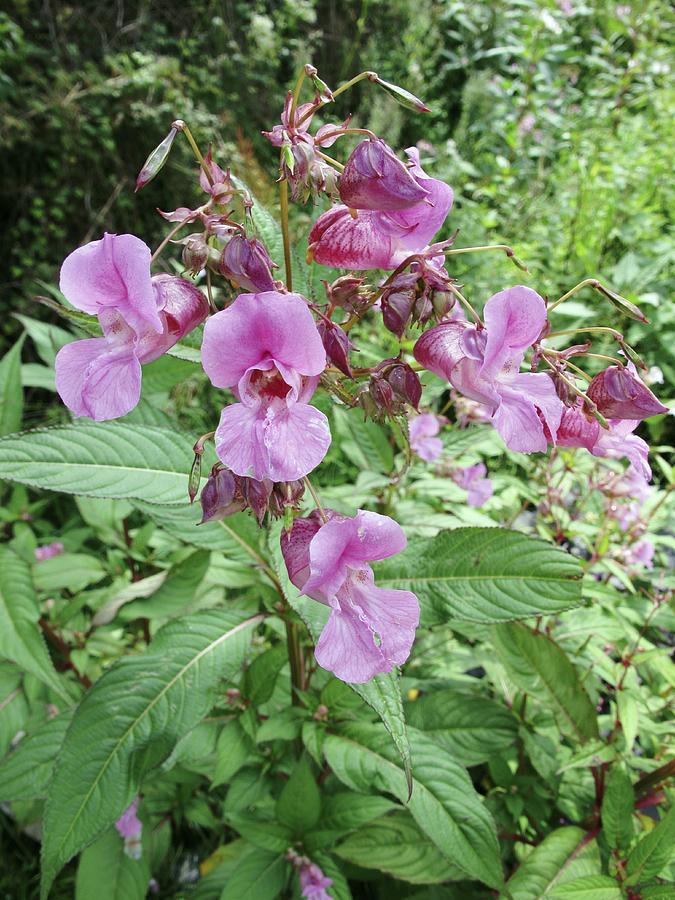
pixel 618 442
pixel 295 548
pixel 339 240
pixel 374 178
pixel 98 379
pixel 440 349
pixel 112 272
pixel 514 319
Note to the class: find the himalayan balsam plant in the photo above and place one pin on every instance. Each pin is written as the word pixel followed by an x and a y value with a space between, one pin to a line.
pixel 271 714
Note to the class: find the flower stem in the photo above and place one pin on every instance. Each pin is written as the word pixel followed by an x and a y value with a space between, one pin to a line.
pixel 504 247
pixel 572 386
pixel 166 240
pixel 181 126
pixel 283 207
pixel 336 92
pixel 329 159
pixel 462 299
pixel 296 662
pixel 315 498
pixel 296 96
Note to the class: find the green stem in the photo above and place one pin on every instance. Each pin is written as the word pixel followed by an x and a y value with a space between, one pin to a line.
pixel 166 240
pixel 344 87
pixel 296 662
pixel 329 159
pixel 315 498
pixel 195 149
pixel 465 303
pixel 283 207
pixel 296 95
pixel 572 386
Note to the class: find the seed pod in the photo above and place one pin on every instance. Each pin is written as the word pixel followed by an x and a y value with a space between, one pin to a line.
pixel 156 160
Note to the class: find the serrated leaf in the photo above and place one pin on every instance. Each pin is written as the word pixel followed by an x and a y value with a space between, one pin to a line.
pixel 260 677
pixel 627 709
pixel 537 664
pixel 261 875
pixel 26 771
pixel 396 846
pixel 129 723
pixel 299 803
pixel 344 812
pixel 443 803
pixel 563 856
pixel 589 887
pixel 470 727
pixel 267 835
pixel 11 390
pixel 107 873
pixel 652 851
pixel 233 750
pixel 618 801
pixel 484 575
pixel 109 459
pixel 175 593
pixel 20 637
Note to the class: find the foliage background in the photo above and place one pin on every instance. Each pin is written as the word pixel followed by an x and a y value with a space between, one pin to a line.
pixel 551 120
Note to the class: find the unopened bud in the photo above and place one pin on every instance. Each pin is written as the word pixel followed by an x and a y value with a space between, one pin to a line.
pixel 405 382
pixel 195 253
pixel 619 394
pixel 257 496
pixel 443 302
pixel 320 86
pixel 285 497
pixel 157 158
pixel 221 496
pixel 246 262
pixel 397 307
pixel 347 292
pixel 337 345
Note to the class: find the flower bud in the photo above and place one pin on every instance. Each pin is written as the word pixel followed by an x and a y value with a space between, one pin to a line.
pixel 221 496
pixel 348 292
pixel 397 308
pixel 246 262
pixel 375 178
pixel 405 383
pixel 286 495
pixel 442 302
pixel 182 307
pixel 195 253
pixel 399 94
pixel 619 394
pixel 337 345
pixel 257 496
pixel 156 160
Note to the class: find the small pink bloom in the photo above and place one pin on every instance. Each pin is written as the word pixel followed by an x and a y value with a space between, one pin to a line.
pixel 620 394
pixel 473 480
pixel 484 365
pixel 641 554
pixel 141 317
pixel 48 551
pixel 423 440
pixel 370 629
pixel 616 442
pixel 377 237
pixel 129 827
pixel 267 350
pixel 313 883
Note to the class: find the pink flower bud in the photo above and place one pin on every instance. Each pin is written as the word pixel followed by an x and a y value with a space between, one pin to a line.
pixel 375 178
pixel 337 345
pixel 195 253
pixel 257 496
pixel 48 551
pixel 222 496
pixel 247 264
pixel 620 394
pixel 156 160
pixel 397 308
pixel 347 291
pixel 182 307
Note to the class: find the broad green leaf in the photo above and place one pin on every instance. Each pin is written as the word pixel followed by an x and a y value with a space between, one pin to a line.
pixel 105 872
pixel 70 571
pixel 11 390
pixel 218 868
pixel 260 875
pixel 48 338
pixel 262 833
pixel 364 442
pixel 20 637
pixel 395 845
pixel 129 723
pixel 652 851
pixel 443 803
pixel 339 889
pixel 563 856
pixel 658 892
pixel 260 677
pixel 175 593
pixel 627 709
pixel 618 801
pixel 484 575
pixel 26 771
pixel 539 666
pixel 382 693
pixel 589 887
pixel 233 751
pixel 470 727
pixel 299 803
pixel 344 812
pixel 108 459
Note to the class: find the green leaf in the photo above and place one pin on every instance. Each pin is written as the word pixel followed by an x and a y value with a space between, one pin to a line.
pixel 658 892
pixel 129 723
pixel 364 442
pixel 444 802
pixel 260 875
pixel 395 845
pixel 382 693
pixel 70 571
pixel 26 771
pixel 652 851
pixel 344 812
pixel 262 833
pixel 563 856
pixel 470 727
pixel 105 872
pixel 627 709
pixel 11 391
pixel 299 803
pixel 48 338
pixel 175 593
pixel 484 575
pixel 260 677
pixel 109 459
pixel 233 751
pixel 617 808
pixel 539 666
pixel 20 637
pixel 589 887
pixel 339 889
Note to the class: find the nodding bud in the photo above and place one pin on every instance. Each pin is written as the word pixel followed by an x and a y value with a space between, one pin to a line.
pixel 392 386
pixel 157 158
pixel 347 292
pixel 337 345
pixel 399 94
pixel 257 496
pixel 397 308
pixel 320 86
pixel 222 495
pixel 405 383
pixel 286 495
pixel 247 264
pixel 375 178
pixel 195 252
pixel 619 394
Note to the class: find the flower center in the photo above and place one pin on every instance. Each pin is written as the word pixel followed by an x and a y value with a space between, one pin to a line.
pixel 268 384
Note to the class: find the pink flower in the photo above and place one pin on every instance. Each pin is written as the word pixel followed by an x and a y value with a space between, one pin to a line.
pixel 129 826
pixel 641 554
pixel 48 551
pixel 267 350
pixel 375 178
pixel 381 237
pixel 142 317
pixel 473 480
pixel 620 394
pixel 246 262
pixel 370 629
pixel 484 365
pixel 423 440
pixel 616 442
pixel 313 883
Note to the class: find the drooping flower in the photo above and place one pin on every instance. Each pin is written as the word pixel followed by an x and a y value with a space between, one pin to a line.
pixel 380 237
pixel 48 551
pixel 473 480
pixel 246 262
pixel 370 629
pixel 130 827
pixel 423 440
pixel 484 365
pixel 375 178
pixel 141 317
pixel 267 350
pixel 615 442
pixel 619 393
